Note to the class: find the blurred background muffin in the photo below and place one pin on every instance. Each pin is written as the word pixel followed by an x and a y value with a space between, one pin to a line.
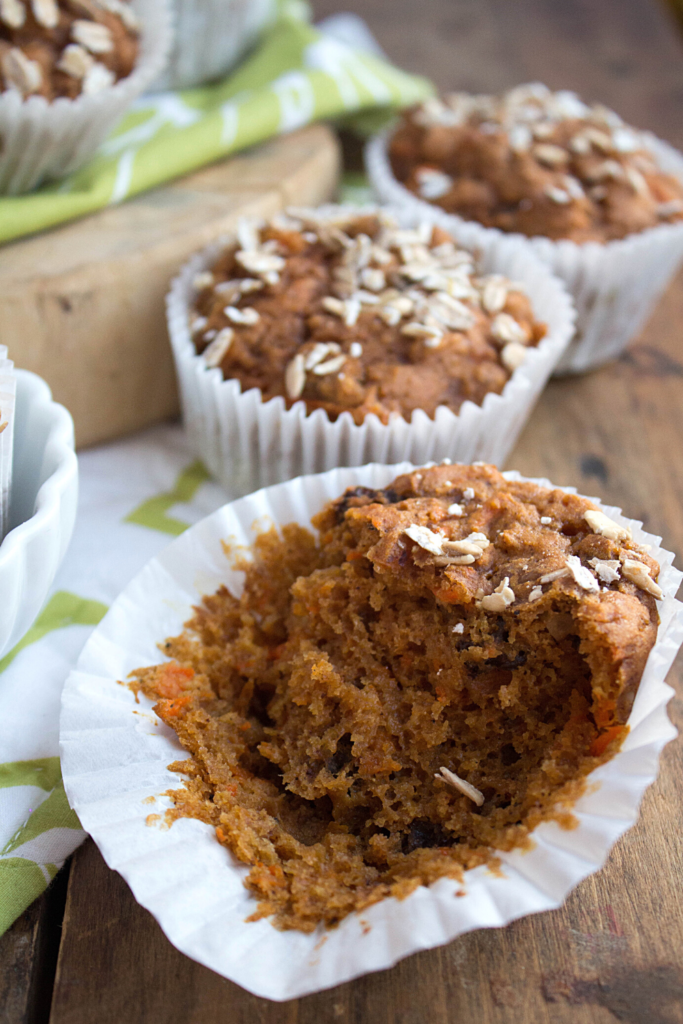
pixel 69 69
pixel 598 200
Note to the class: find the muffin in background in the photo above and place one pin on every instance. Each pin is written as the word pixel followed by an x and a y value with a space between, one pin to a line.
pixel 536 162
pixel 594 197
pixel 337 336
pixel 354 314
pixel 69 69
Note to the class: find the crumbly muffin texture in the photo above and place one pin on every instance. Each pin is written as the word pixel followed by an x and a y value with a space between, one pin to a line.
pixel 349 312
pixel 418 687
pixel 55 48
pixel 536 162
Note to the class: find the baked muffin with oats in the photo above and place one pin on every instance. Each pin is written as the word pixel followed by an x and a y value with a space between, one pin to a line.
pixel 535 162
pixel 66 48
pixel 350 312
pixel 416 687
pixel 600 202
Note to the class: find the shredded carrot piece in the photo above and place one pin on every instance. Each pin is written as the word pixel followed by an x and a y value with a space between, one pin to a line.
pixel 604 713
pixel 173 708
pixel 170 682
pixel 601 742
pixel 354 556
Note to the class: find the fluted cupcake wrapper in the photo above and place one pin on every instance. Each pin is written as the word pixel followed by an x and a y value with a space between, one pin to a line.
pixel 41 141
pixel 248 443
pixel 614 285
pixel 8 395
pixel 115 753
pixel 209 38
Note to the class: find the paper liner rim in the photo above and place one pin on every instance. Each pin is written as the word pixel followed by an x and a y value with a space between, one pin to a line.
pixel 497 900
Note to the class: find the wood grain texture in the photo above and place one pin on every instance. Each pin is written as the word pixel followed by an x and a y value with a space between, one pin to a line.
pixel 612 952
pixel 83 305
pixel 28 957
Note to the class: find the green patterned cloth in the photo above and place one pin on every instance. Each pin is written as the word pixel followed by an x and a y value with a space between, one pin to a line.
pixel 295 76
pixel 136 495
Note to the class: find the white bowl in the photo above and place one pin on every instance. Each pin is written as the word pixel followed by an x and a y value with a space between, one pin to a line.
pixel 42 507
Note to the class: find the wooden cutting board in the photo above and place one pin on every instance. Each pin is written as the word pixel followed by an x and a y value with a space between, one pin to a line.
pixel 83 305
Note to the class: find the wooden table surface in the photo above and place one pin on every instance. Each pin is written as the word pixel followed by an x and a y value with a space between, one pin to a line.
pixel 87 952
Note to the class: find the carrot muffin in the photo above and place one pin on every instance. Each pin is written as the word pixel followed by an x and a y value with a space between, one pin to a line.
pixel 54 48
pixel 535 162
pixel 417 687
pixel 352 313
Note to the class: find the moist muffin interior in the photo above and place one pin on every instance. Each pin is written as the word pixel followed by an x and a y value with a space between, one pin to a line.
pixel 535 162
pixel 349 312
pixel 417 687
pixel 65 48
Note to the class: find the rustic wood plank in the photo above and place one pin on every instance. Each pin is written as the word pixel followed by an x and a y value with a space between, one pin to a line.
pixel 28 957
pixel 612 951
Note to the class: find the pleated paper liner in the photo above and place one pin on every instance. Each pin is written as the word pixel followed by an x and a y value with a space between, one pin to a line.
pixel 43 141
pixel 614 285
pixel 115 755
pixel 8 391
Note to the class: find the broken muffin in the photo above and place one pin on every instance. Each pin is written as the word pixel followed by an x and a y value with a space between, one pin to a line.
pixel 415 688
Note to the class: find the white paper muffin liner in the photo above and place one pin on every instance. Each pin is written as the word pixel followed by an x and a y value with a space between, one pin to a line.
pixel 115 754
pixel 209 38
pixel 8 393
pixel 40 141
pixel 248 443
pixel 614 285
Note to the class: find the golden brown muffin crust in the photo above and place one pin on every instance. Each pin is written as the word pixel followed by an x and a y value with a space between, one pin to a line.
pixel 350 313
pixel 535 162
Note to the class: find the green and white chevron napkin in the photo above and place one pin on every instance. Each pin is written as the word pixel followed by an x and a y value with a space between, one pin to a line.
pixel 296 75
pixel 136 495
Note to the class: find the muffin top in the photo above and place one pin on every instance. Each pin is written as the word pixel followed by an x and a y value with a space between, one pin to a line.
pixel 349 312
pixel 419 687
pixel 54 48
pixel 535 162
